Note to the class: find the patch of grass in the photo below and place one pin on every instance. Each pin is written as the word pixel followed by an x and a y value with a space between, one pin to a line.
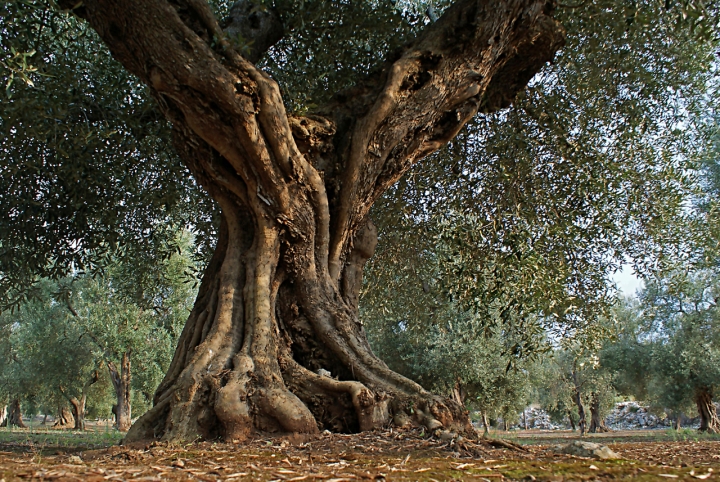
pixel 45 440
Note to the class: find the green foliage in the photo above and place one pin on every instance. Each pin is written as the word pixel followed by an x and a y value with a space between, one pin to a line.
pixel 567 371
pixel 447 356
pixel 667 348
pixel 87 172
pixel 77 325
pixel 529 211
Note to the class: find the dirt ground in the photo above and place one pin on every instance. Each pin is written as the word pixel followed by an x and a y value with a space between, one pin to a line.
pixel 389 455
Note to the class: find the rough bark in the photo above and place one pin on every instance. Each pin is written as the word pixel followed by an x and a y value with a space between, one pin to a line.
pixel 14 418
pixel 3 415
pixel 121 383
pixel 274 342
pixel 65 418
pixel 597 423
pixel 709 421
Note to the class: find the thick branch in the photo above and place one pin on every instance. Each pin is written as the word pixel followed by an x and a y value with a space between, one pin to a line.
pixel 476 57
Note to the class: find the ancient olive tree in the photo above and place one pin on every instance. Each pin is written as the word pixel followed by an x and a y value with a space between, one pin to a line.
pixel 279 299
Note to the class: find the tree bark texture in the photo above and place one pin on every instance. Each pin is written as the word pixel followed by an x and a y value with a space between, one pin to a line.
pixel 277 308
pixel 14 418
pixel 121 379
pixel 65 418
pixel 3 415
pixel 709 421
pixel 597 423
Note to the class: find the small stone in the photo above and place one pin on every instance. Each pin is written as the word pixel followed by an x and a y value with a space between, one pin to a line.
pixel 446 435
pixel 178 463
pixel 74 459
pixel 586 449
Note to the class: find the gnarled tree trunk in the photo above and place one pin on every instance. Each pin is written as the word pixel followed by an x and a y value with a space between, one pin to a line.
pixel 78 404
pixel 709 421
pixel 121 383
pixel 65 418
pixel 277 308
pixel 597 423
pixel 14 418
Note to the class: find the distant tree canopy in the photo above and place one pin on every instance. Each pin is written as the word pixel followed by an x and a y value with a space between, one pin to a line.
pixel 96 343
pixel 271 130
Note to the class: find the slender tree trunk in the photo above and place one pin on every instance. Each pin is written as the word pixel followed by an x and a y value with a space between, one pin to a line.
pixel 44 422
pixel 678 421
pixel 486 424
pixel 525 424
pixel 279 300
pixel 459 393
pixel 78 410
pixel 121 383
pixel 709 421
pixel 597 423
pixel 3 415
pixel 15 416
pixel 572 421
pixel 577 398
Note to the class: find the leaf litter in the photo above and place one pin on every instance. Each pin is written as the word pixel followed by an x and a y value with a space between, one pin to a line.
pixel 369 456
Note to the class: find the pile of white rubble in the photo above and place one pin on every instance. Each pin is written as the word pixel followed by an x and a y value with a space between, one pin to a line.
pixel 632 415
